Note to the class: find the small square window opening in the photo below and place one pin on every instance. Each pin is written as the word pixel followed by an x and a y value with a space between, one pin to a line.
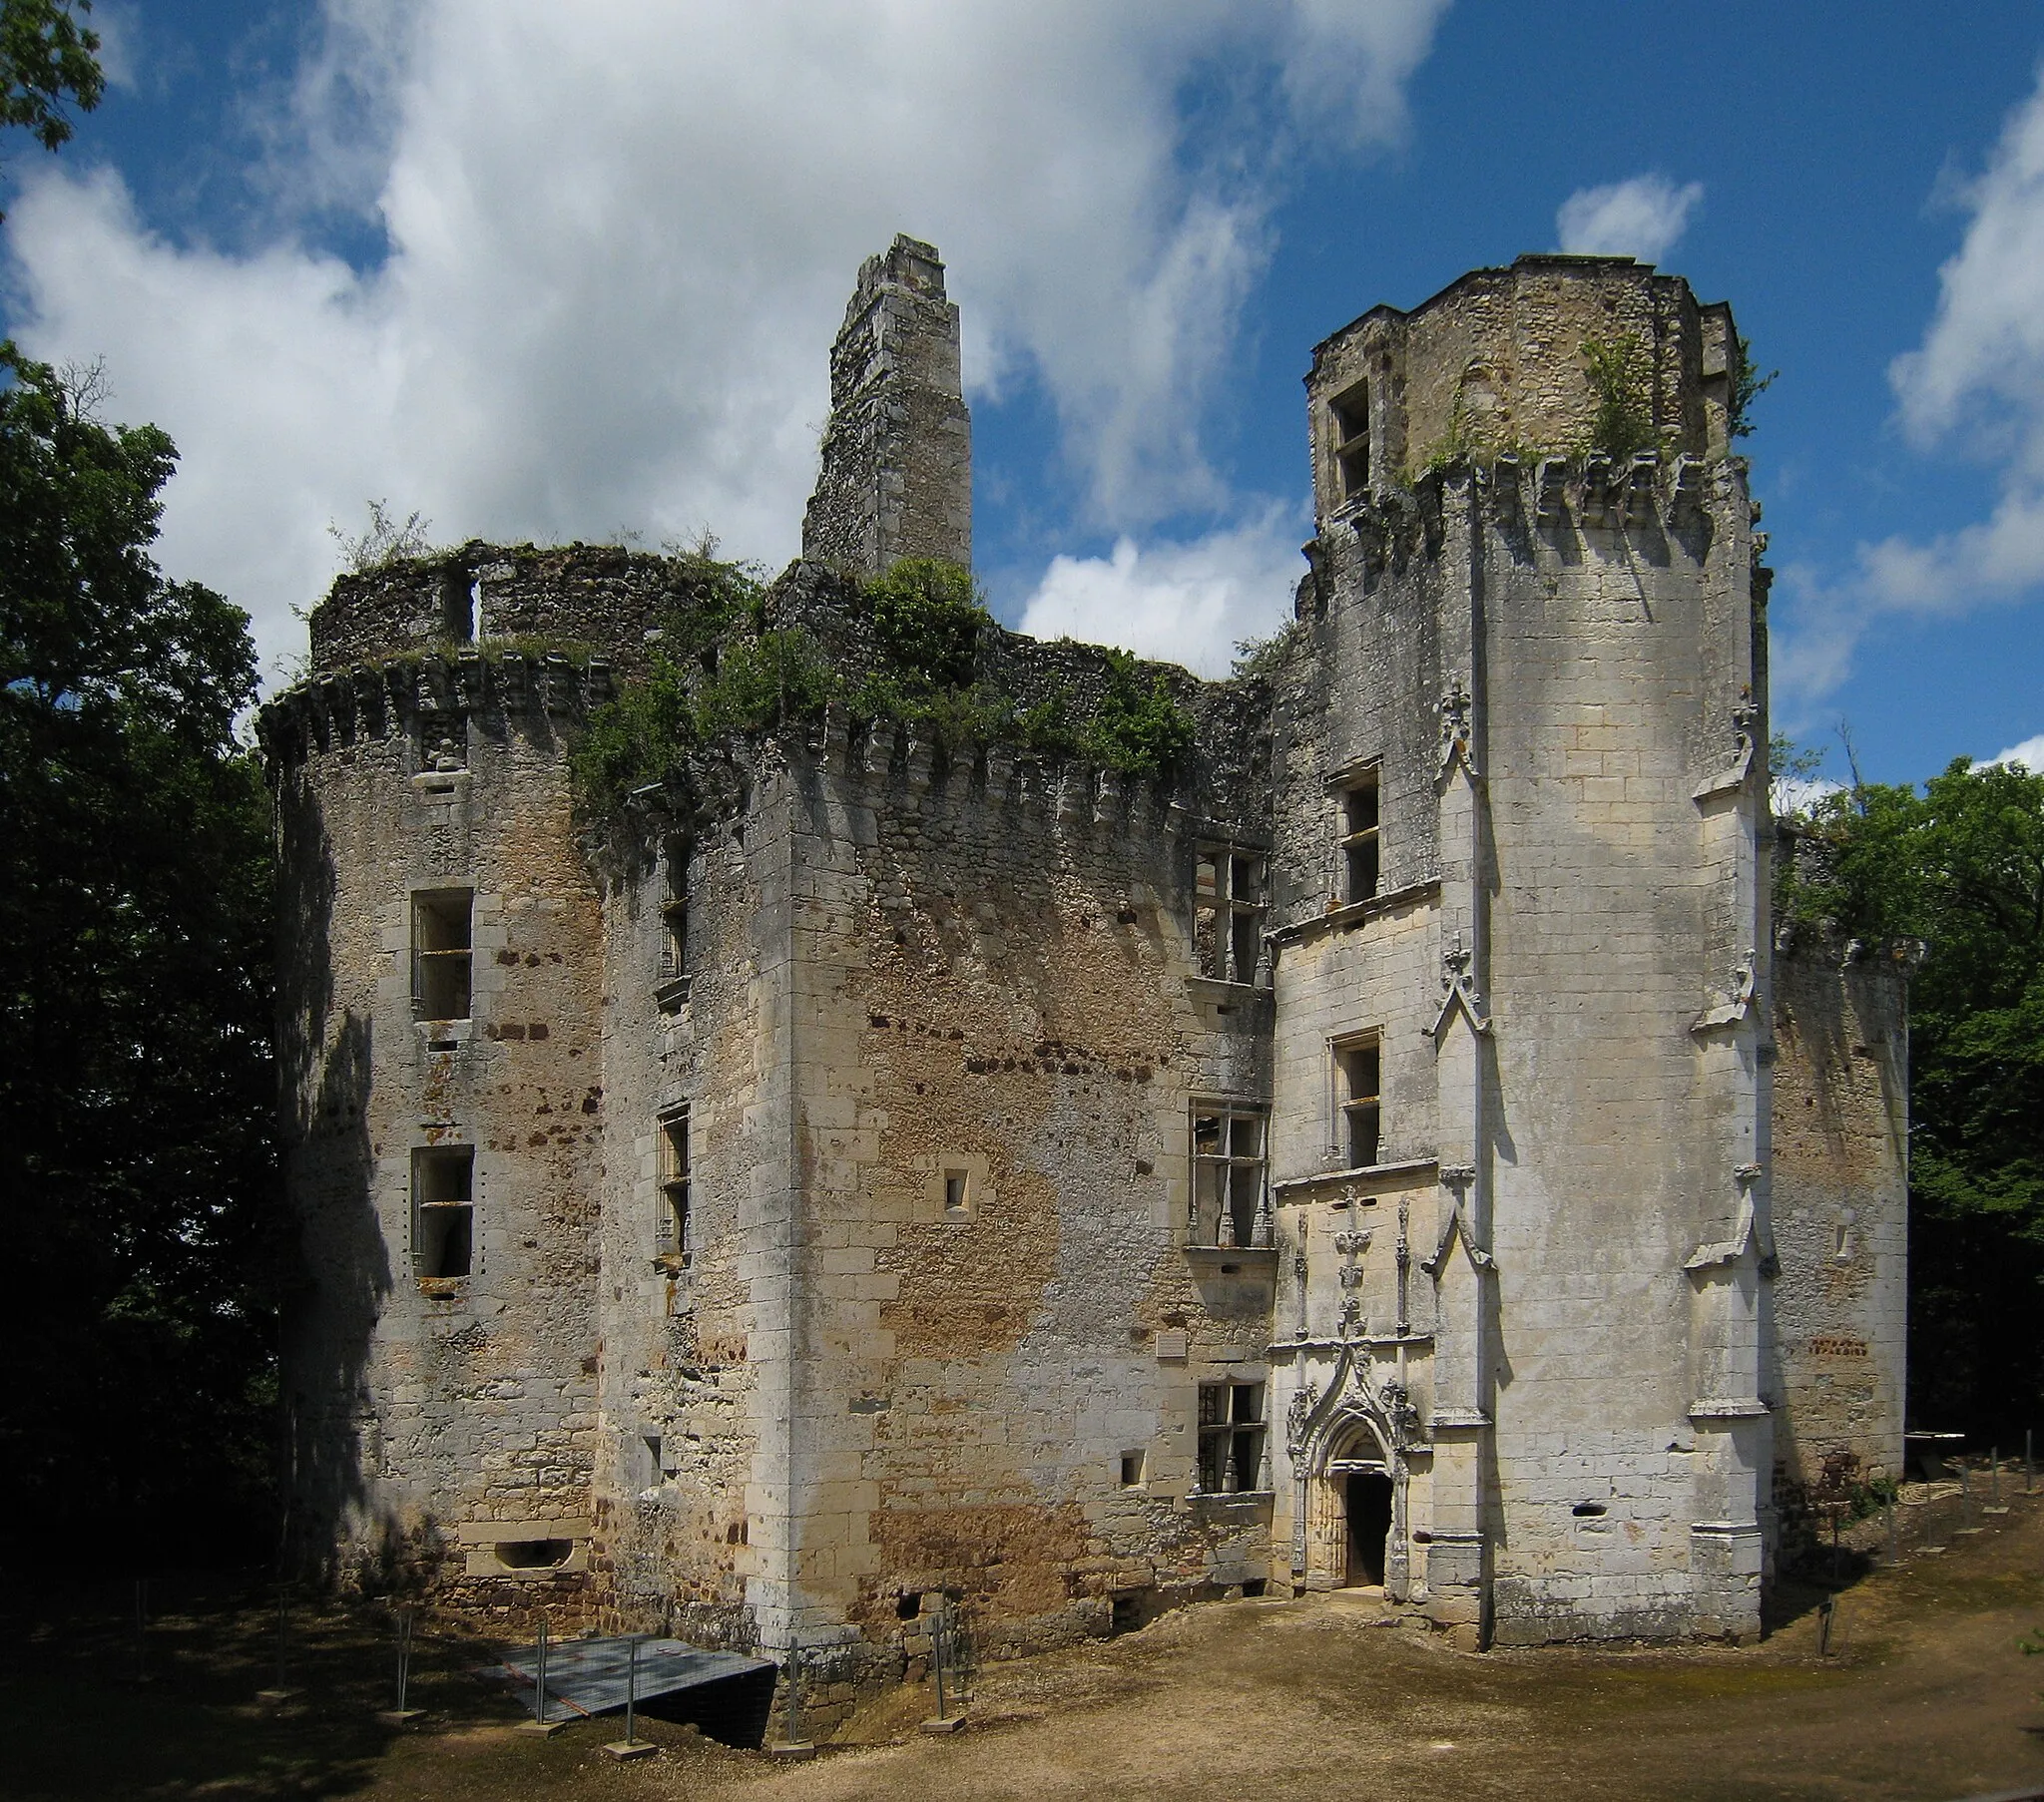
pixel 443 1211
pixel 442 952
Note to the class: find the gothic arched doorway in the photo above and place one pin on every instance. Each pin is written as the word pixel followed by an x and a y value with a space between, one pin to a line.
pixel 1368 1499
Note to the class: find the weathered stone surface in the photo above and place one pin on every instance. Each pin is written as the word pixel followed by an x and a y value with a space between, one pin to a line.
pixel 1021 1162
pixel 896 475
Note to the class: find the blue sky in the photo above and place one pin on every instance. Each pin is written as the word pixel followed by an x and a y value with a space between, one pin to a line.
pixel 546 271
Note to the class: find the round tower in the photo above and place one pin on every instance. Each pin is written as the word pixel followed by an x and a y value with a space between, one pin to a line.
pixel 440 977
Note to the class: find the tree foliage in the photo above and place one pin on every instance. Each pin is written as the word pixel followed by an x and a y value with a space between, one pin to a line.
pixel 135 1089
pixel 1959 865
pixel 46 56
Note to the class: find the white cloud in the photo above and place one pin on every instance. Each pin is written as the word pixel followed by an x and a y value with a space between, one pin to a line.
pixel 1642 218
pixel 618 250
pixel 2029 754
pixel 1189 603
pixel 1977 384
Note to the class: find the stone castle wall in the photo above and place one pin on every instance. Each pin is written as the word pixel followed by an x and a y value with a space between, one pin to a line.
pixel 1496 362
pixel 951 1291
pixel 896 475
pixel 444 1424
pixel 1841 1193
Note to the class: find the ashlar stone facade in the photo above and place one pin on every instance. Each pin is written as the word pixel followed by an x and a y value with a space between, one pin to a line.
pixel 987 1180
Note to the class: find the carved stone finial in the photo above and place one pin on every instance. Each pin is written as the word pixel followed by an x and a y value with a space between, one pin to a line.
pixel 1459 988
pixel 1458 709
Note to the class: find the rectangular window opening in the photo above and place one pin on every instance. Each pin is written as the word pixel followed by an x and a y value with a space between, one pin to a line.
pixel 1361 847
pixel 957 1194
pixel 674 914
pixel 442 952
pixel 675 1233
pixel 1359 1068
pixel 649 1465
pixel 1227 913
pixel 1349 416
pixel 1231 1434
pixel 443 1211
pixel 1227 1177
pixel 1132 1470
pixel 671 985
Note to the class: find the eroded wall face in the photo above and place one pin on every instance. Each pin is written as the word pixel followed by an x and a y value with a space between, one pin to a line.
pixel 897 476
pixel 1841 1189
pixel 441 1352
pixel 692 1507
pixel 998 1338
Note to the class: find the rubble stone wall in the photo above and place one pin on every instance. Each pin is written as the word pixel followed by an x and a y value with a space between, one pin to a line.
pixel 1841 1193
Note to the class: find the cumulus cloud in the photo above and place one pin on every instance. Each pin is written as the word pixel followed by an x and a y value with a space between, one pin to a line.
pixel 1976 383
pixel 618 251
pixel 1190 602
pixel 1642 217
pixel 2029 754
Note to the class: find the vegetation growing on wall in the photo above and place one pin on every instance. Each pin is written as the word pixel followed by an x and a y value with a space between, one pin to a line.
pixel 719 672
pixel 1620 376
pixel 1959 865
pixel 1747 385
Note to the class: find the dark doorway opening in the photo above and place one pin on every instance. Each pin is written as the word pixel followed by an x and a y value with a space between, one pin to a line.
pixel 1369 1528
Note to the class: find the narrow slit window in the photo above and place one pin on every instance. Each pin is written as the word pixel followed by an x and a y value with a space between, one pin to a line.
pixel 442 953
pixel 1227 913
pixel 1359 1071
pixel 957 1194
pixel 1362 843
pixel 673 1231
pixel 443 1211
pixel 1231 1429
pixel 1228 1175
pixel 1349 426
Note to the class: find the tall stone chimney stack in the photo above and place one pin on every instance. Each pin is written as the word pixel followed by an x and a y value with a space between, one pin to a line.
pixel 896 479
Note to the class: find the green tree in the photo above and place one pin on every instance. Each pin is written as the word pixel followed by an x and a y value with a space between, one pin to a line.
pixel 1961 866
pixel 46 53
pixel 135 1085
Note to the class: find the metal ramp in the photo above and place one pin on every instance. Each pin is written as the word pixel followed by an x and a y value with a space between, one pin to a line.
pixel 587 1678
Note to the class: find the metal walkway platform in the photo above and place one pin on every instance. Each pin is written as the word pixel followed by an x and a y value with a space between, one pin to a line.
pixel 586 1677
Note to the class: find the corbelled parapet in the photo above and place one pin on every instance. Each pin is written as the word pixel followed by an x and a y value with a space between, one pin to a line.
pixel 432 698
pixel 1551 362
pixel 896 477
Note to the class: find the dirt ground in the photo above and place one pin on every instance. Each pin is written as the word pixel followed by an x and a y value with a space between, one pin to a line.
pixel 1925 1695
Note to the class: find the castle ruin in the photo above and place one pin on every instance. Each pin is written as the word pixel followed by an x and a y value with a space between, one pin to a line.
pixel 1389 1148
